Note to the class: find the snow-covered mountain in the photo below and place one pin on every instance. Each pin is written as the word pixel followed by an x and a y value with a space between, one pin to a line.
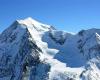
pixel 30 50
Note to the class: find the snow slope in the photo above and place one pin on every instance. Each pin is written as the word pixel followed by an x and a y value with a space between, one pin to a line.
pixel 30 50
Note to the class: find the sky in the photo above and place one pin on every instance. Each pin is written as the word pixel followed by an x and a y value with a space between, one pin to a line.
pixel 67 15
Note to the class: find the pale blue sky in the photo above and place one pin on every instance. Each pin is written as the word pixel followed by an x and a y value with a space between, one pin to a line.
pixel 68 15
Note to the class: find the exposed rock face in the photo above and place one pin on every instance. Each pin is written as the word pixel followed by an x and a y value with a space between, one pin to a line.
pixel 30 50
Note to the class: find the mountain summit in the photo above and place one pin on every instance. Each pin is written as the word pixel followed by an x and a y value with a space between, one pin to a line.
pixel 30 50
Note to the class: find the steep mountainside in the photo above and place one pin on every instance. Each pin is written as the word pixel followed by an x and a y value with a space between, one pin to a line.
pixel 30 50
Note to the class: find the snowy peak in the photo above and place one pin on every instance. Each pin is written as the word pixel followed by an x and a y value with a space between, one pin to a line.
pixel 28 24
pixel 28 21
pixel 32 23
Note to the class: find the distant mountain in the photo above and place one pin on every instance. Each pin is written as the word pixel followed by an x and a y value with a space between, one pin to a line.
pixel 30 50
